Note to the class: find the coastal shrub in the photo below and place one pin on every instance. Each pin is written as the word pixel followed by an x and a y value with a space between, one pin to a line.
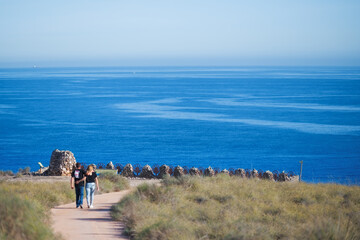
pixel 23 206
pixel 226 207
pixel 109 182
pixel 22 219
pixel 47 194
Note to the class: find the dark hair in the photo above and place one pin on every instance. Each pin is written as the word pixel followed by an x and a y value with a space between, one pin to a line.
pixel 78 164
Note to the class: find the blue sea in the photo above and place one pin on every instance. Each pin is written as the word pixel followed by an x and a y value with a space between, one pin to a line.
pixel 267 118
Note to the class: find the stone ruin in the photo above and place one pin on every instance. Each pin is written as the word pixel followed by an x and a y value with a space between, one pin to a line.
pixel 128 171
pixel 178 171
pixel 283 177
pixel 147 172
pixel 254 173
pixel 164 171
pixel 209 172
pixel 268 175
pixel 62 163
pixel 194 171
pixel 240 172
pixel 110 165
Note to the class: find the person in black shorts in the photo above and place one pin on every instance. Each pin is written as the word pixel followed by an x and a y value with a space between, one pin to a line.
pixel 91 182
pixel 77 181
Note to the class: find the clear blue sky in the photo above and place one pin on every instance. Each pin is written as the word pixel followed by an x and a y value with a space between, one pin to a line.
pixel 134 32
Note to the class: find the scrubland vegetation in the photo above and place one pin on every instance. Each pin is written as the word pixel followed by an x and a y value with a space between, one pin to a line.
pixel 225 207
pixel 24 208
pixel 25 205
pixel 110 182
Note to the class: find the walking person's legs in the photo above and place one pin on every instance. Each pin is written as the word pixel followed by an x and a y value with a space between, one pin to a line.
pixel 77 193
pixel 92 195
pixel 88 191
pixel 81 196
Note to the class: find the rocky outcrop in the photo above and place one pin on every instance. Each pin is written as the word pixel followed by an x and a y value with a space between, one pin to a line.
pixel 194 171
pixel 254 173
pixel 128 171
pixel 209 172
pixel 268 175
pixel 283 177
pixel 178 171
pixel 147 172
pixel 240 172
pixel 62 163
pixel 225 172
pixel 110 165
pixel 164 171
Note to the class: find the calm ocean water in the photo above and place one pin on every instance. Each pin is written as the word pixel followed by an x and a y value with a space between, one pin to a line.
pixel 266 118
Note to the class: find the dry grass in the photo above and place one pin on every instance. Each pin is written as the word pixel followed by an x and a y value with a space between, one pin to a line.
pixel 110 182
pixel 24 205
pixel 235 208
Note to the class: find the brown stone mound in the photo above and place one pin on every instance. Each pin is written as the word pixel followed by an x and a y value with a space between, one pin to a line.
pixel 254 173
pixel 178 171
pixel 147 172
pixel 194 171
pixel 268 175
pixel 164 171
pixel 240 172
pixel 209 172
pixel 128 171
pixel 110 165
pixel 62 163
pixel 283 177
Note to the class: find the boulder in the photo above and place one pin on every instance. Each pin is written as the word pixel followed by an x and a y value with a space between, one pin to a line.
pixel 268 175
pixel 254 173
pixel 225 172
pixel 283 177
pixel 147 172
pixel 164 171
pixel 178 171
pixel 128 171
pixel 194 171
pixel 110 165
pixel 209 172
pixel 62 163
pixel 240 172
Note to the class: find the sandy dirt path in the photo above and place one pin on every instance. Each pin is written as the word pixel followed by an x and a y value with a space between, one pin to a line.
pixel 89 224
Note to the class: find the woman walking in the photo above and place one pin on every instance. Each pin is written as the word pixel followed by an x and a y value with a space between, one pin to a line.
pixel 91 182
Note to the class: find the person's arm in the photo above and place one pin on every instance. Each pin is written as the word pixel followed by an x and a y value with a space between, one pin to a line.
pixel 83 179
pixel 97 183
pixel 72 182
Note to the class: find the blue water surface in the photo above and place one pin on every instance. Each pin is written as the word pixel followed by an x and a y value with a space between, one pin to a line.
pixel 266 118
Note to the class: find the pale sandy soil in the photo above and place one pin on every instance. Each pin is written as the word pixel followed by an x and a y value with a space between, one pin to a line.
pixel 90 224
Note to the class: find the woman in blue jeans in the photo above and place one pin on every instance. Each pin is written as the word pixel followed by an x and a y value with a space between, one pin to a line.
pixel 91 182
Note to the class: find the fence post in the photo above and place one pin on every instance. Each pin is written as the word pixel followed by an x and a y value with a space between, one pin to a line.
pixel 301 165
